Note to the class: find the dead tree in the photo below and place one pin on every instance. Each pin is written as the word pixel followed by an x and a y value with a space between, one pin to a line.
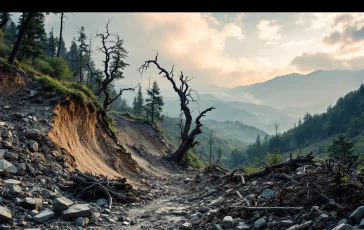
pixel 27 17
pixel 60 35
pixel 184 92
pixel 114 65
pixel 4 19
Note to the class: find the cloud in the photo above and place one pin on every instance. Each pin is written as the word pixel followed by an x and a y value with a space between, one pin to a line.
pixel 269 30
pixel 326 61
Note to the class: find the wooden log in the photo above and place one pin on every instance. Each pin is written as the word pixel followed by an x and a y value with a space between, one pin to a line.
pixel 292 163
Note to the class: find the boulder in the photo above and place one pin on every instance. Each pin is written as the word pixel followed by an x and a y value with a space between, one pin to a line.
pixel 21 169
pixel 5 215
pixel 44 216
pixel 61 203
pixel 357 214
pixel 227 222
pixel 260 223
pixel 31 203
pixel 7 166
pixel 82 221
pixel 33 146
pixel 77 210
pixel 11 156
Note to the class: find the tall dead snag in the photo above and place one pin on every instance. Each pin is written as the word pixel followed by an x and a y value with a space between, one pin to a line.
pixel 114 65
pixel 184 92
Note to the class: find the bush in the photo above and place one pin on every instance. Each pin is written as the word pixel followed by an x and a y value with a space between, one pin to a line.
pixel 250 168
pixel 191 160
pixel 61 71
pixel 55 67
pixel 43 66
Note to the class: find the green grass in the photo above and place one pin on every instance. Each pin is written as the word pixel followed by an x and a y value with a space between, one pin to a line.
pixel 85 96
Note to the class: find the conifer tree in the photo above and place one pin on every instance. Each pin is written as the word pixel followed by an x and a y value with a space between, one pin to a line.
pixel 138 102
pixel 34 36
pixel 154 103
pixel 82 57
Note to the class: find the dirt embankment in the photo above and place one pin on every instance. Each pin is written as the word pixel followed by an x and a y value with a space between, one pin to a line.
pixel 12 79
pixel 77 130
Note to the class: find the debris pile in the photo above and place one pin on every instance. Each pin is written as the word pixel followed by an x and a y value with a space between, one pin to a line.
pixel 298 193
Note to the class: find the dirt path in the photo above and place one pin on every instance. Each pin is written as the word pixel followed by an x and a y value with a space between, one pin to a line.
pixel 167 209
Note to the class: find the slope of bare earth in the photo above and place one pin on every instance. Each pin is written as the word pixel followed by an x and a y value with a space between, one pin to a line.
pixel 147 146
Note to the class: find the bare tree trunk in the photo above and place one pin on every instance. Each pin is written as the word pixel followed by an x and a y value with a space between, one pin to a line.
pixel 4 20
pixel 60 35
pixel 22 31
pixel 184 93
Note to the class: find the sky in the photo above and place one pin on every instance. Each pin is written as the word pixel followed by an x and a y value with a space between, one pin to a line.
pixel 226 49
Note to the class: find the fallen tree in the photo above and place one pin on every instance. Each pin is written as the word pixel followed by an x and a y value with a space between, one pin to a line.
pixel 96 186
pixel 184 92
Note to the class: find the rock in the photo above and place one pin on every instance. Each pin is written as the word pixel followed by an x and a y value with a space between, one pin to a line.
pixel 342 221
pixel 5 215
pixel 217 227
pixel 186 226
pixel 101 201
pixel 260 223
pixel 19 115
pixel 322 217
pixel 80 221
pixel 343 227
pixel 33 133
pixel 7 166
pixel 6 134
pixel 21 169
pixel 12 156
pixel 44 216
pixel 250 196
pixel 61 203
pixel 14 190
pixel 361 225
pixel 286 223
pixel 242 226
pixel 11 181
pixel 2 153
pixel 357 214
pixel 107 211
pixel 33 146
pixel 48 194
pixel 31 203
pixel 227 222
pixel 77 210
pixel 203 209
pixel 33 212
pixel 267 193
pixel 61 158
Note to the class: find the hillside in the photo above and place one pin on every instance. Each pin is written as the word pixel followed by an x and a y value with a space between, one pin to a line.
pixel 235 130
pixel 317 131
pixel 170 130
pixel 261 116
pixel 312 92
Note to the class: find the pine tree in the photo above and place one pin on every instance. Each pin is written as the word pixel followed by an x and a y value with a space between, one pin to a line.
pixel 11 32
pixel 72 57
pixel 50 45
pixel 342 149
pixel 82 57
pixel 33 38
pixel 154 103
pixel 138 102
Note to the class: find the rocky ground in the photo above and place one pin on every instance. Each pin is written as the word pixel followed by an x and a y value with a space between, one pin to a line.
pixel 38 190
